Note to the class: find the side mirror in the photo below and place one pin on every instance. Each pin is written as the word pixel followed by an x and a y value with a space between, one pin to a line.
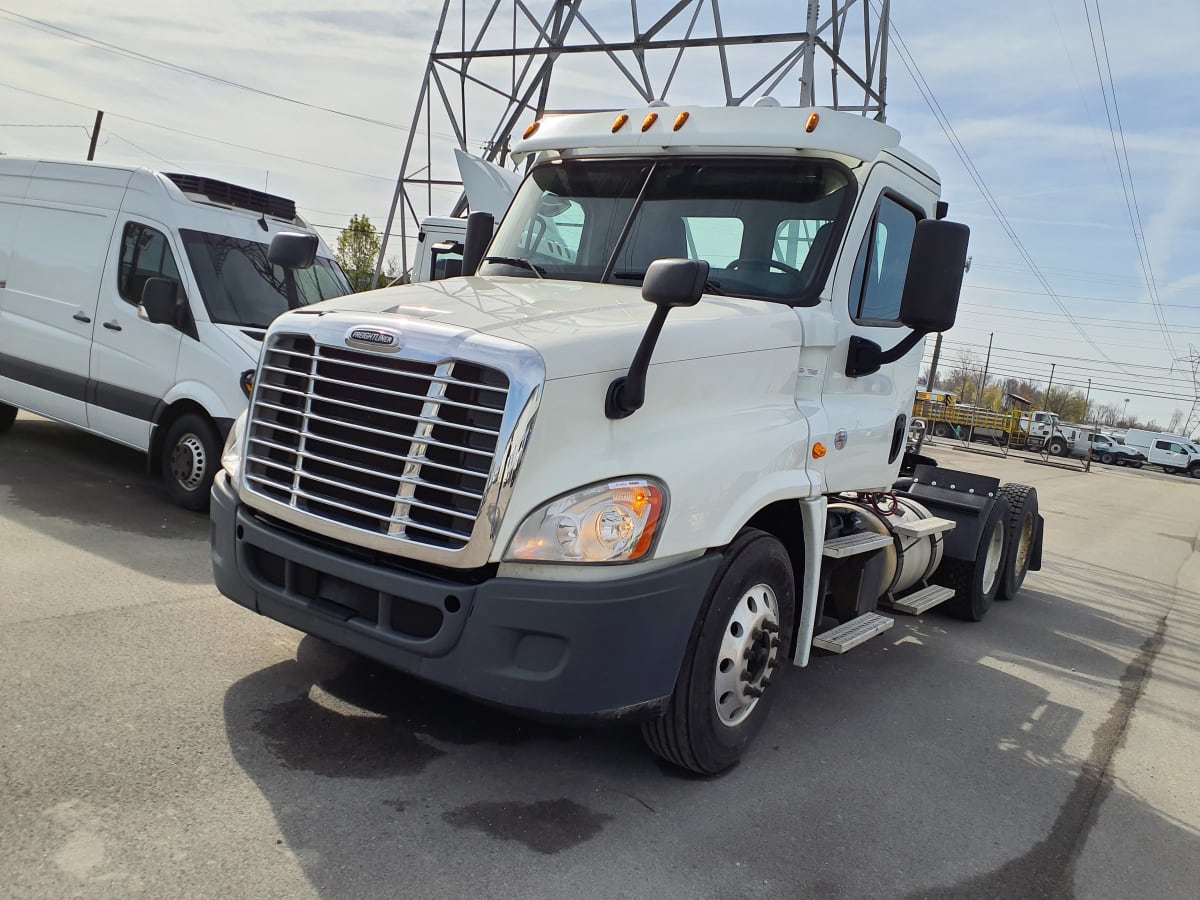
pixel 668 283
pixel 935 274
pixel 292 250
pixel 160 301
pixel 929 303
pixel 480 228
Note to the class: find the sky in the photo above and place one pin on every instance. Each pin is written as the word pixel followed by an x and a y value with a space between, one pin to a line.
pixel 1066 134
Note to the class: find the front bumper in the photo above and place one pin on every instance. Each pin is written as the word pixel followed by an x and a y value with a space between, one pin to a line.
pixel 563 650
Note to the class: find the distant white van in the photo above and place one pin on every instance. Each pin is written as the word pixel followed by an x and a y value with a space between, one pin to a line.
pixel 133 304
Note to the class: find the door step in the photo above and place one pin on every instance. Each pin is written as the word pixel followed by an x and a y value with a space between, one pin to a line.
pixel 852 544
pixel 924 527
pixel 925 599
pixel 850 634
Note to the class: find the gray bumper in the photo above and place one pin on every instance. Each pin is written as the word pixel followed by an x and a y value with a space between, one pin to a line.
pixel 557 649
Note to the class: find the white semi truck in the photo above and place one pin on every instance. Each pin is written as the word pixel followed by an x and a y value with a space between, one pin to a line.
pixel 644 454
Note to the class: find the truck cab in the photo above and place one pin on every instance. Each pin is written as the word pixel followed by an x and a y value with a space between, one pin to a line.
pixel 622 468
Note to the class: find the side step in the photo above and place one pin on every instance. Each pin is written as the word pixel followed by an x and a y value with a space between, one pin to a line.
pixel 925 599
pixel 851 544
pixel 850 634
pixel 925 527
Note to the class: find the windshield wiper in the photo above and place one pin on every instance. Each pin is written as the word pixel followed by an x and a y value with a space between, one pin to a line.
pixel 518 262
pixel 710 286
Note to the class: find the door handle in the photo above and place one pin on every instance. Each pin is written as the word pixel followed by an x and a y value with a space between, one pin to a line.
pixel 112 326
pixel 80 317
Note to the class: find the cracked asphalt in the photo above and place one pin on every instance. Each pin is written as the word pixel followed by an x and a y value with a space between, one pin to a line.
pixel 157 740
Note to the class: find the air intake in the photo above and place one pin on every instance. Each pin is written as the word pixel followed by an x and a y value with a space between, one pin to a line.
pixel 226 194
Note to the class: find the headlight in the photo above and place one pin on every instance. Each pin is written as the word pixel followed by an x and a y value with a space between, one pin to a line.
pixel 231 456
pixel 615 521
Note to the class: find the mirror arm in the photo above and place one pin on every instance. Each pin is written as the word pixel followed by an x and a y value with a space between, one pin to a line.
pixel 864 357
pixel 627 393
pixel 289 285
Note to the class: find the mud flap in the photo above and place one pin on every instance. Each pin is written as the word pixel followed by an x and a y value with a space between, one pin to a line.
pixel 963 497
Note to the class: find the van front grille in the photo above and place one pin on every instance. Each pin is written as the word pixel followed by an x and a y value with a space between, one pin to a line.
pixel 381 444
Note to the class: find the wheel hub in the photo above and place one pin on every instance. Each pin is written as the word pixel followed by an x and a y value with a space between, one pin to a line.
pixel 189 462
pixel 748 655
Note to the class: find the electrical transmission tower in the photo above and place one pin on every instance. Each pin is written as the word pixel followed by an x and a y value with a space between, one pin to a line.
pixel 498 66
pixel 1192 361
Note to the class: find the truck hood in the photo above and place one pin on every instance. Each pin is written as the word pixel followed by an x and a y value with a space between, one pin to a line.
pixel 578 328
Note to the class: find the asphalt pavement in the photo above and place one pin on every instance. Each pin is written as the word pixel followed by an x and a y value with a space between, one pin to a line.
pixel 157 740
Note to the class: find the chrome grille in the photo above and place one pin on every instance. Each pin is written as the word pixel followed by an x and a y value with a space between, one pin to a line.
pixel 393 446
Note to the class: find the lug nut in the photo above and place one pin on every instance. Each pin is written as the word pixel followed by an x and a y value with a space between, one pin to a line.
pixel 752 691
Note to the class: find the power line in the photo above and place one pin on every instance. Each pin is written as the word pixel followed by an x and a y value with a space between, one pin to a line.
pixel 964 157
pixel 1125 171
pixel 80 38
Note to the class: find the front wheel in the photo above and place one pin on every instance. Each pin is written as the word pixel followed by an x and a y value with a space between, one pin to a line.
pixel 1057 448
pixel 190 455
pixel 8 415
pixel 1194 471
pixel 1107 458
pixel 740 640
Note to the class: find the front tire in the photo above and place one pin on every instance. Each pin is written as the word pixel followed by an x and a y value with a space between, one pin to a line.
pixel 1057 448
pixel 191 453
pixel 8 415
pixel 976 582
pixel 1107 458
pixel 722 695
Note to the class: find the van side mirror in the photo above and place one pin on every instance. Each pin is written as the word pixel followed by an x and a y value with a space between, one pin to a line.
pixel 293 250
pixel 160 301
pixel 929 304
pixel 936 267
pixel 668 283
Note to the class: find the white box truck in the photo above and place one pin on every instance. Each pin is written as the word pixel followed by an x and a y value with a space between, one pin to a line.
pixel 133 304
pixel 634 473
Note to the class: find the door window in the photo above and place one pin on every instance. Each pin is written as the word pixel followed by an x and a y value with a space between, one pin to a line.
pixel 882 264
pixel 145 253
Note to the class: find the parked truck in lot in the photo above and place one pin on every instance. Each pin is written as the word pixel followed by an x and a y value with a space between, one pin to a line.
pixel 1173 453
pixel 634 475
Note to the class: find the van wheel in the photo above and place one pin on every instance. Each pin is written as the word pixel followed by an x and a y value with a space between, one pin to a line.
pixel 1022 530
pixel 8 415
pixel 976 582
pixel 190 455
pixel 738 645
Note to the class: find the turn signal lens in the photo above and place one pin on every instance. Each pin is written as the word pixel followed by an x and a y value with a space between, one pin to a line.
pixel 649 120
pixel 812 123
pixel 620 123
pixel 818 451
pixel 680 121
pixel 531 130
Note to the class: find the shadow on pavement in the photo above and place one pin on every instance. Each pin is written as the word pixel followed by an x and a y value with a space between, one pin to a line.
pixel 932 764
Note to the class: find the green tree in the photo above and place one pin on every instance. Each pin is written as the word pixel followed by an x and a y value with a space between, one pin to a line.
pixel 357 250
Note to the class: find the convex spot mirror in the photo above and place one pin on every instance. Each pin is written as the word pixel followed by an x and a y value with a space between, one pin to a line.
pixel 675 282
pixel 293 250
pixel 160 301
pixel 935 273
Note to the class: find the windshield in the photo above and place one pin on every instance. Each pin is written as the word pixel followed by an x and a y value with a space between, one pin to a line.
pixel 241 287
pixel 764 225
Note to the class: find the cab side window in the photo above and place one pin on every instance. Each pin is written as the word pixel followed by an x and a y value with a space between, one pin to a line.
pixel 145 253
pixel 882 264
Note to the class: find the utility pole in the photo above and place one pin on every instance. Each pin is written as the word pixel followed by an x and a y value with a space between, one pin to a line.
pixel 987 362
pixel 1049 384
pixel 95 134
pixel 933 363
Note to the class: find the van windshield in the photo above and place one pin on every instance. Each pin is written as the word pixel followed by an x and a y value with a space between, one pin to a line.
pixel 241 287
pixel 766 227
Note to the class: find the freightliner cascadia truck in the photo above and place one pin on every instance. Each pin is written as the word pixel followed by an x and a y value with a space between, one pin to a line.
pixel 648 452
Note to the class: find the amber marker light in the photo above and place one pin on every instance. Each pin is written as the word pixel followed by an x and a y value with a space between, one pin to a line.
pixel 680 121
pixel 650 120
pixel 812 123
pixel 818 451
pixel 620 123
pixel 531 130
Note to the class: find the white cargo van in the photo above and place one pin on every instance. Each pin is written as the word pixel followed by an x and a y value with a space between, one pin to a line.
pixel 1173 453
pixel 82 246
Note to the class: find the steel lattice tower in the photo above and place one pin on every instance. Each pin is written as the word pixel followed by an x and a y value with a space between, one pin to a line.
pixel 492 69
